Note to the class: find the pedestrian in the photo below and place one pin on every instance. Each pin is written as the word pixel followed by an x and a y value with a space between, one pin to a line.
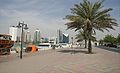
pixel 18 50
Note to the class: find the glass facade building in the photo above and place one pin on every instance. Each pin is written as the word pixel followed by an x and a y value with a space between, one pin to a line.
pixel 37 37
pixel 62 38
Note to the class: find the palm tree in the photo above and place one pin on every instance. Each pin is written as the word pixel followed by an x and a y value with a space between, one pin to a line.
pixel 89 17
pixel 82 36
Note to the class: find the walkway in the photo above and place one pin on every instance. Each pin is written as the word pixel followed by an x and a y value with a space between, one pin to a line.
pixel 63 61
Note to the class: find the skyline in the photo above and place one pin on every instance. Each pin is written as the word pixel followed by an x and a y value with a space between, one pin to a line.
pixel 47 15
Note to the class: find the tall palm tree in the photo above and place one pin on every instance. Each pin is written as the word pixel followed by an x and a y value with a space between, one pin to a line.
pixel 89 17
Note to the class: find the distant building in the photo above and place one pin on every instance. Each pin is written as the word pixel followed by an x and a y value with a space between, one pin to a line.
pixel 53 40
pixel 62 38
pixel 59 36
pixel 65 38
pixel 13 32
pixel 27 37
pixel 37 37
pixel 44 40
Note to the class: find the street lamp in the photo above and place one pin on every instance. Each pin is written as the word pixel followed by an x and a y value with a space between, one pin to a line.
pixel 72 42
pixel 23 26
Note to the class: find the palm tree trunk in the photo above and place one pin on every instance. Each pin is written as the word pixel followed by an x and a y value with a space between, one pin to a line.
pixel 89 39
pixel 89 46
pixel 85 43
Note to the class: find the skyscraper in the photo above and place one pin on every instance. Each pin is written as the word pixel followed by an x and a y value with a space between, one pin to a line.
pixel 28 37
pixel 13 32
pixel 37 37
pixel 59 36
pixel 62 38
pixel 65 38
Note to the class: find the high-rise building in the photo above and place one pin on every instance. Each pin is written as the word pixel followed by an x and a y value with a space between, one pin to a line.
pixel 62 38
pixel 65 38
pixel 27 37
pixel 59 36
pixel 13 32
pixel 37 37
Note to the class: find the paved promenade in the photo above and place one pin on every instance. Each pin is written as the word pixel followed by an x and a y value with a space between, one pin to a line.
pixel 62 61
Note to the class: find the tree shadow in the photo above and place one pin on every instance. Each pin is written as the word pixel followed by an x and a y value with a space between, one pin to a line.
pixel 73 51
pixel 80 48
pixel 109 49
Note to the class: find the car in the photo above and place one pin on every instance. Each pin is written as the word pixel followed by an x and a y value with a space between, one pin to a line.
pixel 118 46
pixel 111 45
pixel 31 48
pixel 64 45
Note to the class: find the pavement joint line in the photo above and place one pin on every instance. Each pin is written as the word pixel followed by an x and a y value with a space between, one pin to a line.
pixel 102 70
pixel 110 70
pixel 43 67
pixel 65 67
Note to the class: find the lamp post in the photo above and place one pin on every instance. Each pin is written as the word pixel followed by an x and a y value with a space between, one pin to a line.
pixel 23 26
pixel 72 42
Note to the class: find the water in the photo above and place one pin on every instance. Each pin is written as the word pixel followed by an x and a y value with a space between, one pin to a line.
pixel 18 44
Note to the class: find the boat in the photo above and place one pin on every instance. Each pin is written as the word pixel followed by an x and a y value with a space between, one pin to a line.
pixel 44 46
pixel 5 44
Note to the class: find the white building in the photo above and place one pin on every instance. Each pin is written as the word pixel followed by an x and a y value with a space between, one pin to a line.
pixel 13 32
pixel 37 37
pixel 53 40
pixel 27 37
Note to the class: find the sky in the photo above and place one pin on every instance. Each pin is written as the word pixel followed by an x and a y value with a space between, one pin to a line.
pixel 47 15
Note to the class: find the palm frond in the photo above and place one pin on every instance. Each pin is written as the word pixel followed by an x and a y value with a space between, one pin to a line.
pixel 90 16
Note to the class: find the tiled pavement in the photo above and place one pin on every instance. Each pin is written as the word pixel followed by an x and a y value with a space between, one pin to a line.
pixel 63 61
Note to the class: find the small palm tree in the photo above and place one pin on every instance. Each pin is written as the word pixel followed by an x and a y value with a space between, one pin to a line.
pixel 82 36
pixel 89 17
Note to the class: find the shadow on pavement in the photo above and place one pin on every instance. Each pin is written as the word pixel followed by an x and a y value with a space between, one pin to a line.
pixel 72 51
pixel 75 51
pixel 110 49
pixel 79 48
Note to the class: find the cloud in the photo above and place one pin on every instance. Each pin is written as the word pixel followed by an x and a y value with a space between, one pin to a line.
pixel 47 15
pixel 47 25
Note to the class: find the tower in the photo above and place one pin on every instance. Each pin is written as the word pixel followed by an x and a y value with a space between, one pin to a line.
pixel 13 32
pixel 59 36
pixel 37 37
